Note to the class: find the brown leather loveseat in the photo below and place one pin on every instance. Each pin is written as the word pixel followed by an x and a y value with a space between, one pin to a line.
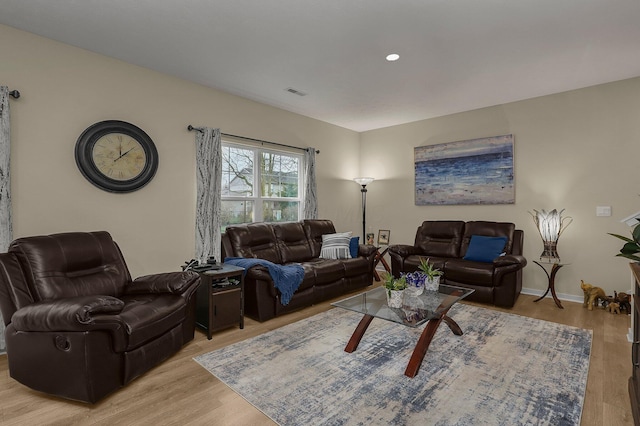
pixel 77 326
pixel 294 243
pixel 496 279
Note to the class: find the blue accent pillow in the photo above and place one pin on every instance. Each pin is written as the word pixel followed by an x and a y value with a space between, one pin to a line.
pixel 485 249
pixel 354 246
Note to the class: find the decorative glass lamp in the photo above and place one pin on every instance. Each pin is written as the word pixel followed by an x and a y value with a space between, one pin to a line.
pixel 364 181
pixel 550 225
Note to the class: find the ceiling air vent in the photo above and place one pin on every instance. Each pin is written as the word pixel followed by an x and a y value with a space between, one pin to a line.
pixel 295 92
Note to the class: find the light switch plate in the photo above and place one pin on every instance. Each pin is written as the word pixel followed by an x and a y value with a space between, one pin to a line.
pixel 603 211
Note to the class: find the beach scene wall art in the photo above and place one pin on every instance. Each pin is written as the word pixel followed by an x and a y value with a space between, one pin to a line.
pixel 475 171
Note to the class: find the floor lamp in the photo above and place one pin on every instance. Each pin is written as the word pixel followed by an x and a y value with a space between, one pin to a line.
pixel 364 181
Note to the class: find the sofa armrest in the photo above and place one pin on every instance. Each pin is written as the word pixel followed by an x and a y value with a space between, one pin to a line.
pixel 510 260
pixel 72 314
pixel 366 250
pixel 404 250
pixel 258 272
pixel 168 282
pixel 506 265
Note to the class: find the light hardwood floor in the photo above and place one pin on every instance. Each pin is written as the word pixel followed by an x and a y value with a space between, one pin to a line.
pixel 180 391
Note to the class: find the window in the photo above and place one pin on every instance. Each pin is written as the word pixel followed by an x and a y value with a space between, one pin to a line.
pixel 260 185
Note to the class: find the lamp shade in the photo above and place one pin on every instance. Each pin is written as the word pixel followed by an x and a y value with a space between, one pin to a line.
pixel 550 225
pixel 364 181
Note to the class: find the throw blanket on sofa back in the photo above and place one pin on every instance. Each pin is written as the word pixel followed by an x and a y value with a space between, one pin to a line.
pixel 286 278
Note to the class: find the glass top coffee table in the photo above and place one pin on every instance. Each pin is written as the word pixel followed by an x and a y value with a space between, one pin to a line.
pixel 430 307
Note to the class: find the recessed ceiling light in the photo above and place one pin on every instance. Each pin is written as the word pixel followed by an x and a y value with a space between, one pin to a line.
pixel 393 57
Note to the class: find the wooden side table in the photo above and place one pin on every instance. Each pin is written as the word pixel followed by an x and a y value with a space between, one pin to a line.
pixel 379 257
pixel 220 299
pixel 552 281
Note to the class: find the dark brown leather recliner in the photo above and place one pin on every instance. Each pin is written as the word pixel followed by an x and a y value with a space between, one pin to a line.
pixel 77 326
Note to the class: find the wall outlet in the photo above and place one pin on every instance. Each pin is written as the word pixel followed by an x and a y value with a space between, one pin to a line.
pixel 603 211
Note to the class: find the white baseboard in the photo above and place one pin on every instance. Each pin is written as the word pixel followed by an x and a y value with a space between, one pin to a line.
pixel 561 296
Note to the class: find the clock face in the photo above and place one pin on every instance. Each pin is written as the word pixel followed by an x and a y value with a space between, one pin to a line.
pixel 116 156
pixel 119 156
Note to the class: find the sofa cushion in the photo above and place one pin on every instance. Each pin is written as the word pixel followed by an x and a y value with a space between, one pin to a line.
pixel 440 238
pixel 485 249
pixel 315 229
pixel 488 229
pixel 292 242
pixel 336 246
pixel 71 264
pixel 255 240
pixel 355 266
pixel 309 277
pixel 147 316
pixel 327 271
pixel 412 262
pixel 469 272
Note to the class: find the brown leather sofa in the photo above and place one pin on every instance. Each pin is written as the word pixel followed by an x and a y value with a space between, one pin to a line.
pixel 445 243
pixel 289 243
pixel 77 326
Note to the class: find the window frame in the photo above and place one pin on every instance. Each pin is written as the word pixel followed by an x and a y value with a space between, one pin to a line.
pixel 256 198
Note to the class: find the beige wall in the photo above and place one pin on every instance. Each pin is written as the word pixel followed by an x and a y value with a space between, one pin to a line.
pixel 574 150
pixel 66 89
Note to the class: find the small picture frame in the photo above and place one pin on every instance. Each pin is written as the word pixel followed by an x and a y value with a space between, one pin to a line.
pixel 383 237
pixel 370 239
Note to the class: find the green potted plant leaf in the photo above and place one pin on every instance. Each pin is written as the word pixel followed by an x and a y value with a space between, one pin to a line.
pixel 395 290
pixel 632 245
pixel 433 274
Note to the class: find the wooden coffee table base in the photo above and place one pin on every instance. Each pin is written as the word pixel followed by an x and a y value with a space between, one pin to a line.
pixel 421 347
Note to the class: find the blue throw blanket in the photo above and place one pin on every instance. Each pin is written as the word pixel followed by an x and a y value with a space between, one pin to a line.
pixel 286 278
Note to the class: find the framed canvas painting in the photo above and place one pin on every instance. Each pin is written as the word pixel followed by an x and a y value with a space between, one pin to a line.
pixel 475 171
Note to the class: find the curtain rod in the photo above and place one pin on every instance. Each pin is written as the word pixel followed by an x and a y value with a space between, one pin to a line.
pixel 190 128
pixel 14 94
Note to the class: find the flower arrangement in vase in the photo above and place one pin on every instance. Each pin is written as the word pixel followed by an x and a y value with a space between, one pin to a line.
pixel 415 283
pixel 395 290
pixel 432 274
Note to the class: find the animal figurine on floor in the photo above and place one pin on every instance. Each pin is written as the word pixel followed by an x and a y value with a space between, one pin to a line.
pixel 592 295
pixel 624 300
pixel 613 307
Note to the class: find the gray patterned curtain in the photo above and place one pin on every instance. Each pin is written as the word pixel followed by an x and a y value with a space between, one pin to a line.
pixel 6 228
pixel 310 198
pixel 209 174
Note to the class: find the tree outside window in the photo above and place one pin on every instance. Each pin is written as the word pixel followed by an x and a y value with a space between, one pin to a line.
pixel 277 176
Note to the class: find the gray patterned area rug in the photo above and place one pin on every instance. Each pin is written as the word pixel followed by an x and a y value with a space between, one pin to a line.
pixel 505 370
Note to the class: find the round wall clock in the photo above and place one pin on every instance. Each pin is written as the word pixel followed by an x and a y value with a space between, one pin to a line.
pixel 116 156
